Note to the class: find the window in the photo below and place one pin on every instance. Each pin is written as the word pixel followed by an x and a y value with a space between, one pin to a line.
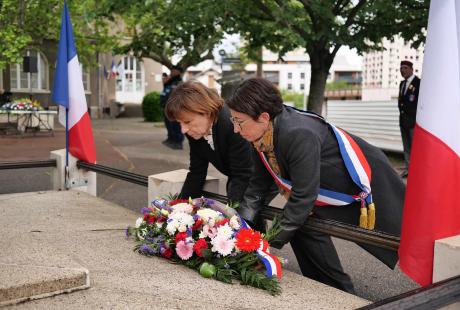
pixel 85 78
pixel 289 86
pixel 302 75
pixel 26 81
pixel 289 75
pixel 302 86
pixel 130 75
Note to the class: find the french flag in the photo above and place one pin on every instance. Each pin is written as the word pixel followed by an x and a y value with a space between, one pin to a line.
pixel 69 93
pixel 432 209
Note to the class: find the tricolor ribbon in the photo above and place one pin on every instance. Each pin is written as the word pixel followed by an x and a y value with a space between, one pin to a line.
pixel 271 262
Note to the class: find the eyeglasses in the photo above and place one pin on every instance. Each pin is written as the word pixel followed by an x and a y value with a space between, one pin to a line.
pixel 238 122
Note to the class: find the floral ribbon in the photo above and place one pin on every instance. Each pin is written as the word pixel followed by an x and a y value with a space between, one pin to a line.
pixel 271 262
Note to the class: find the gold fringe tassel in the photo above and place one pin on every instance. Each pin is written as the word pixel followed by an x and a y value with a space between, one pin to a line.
pixel 363 218
pixel 371 216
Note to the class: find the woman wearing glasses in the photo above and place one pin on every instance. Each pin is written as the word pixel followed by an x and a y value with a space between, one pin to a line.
pixel 206 123
pixel 322 171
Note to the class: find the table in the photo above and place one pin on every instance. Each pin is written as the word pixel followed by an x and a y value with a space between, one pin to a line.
pixel 20 122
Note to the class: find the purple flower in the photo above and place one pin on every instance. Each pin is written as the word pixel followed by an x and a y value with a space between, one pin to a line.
pixel 145 210
pixel 145 249
pixel 127 232
pixel 226 266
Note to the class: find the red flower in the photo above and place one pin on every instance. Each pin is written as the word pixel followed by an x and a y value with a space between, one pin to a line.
pixel 222 222
pixel 176 201
pixel 167 253
pixel 199 245
pixel 151 219
pixel 248 240
pixel 146 216
pixel 197 224
pixel 181 236
pixel 161 219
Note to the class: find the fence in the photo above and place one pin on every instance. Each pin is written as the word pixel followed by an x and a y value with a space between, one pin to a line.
pixel 376 122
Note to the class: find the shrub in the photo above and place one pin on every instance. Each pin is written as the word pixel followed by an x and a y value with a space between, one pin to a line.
pixel 151 107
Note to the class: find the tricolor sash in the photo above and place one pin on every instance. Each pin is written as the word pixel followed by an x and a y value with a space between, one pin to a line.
pixel 357 167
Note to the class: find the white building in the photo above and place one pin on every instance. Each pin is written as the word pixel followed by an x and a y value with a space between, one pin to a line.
pixel 292 73
pixel 381 76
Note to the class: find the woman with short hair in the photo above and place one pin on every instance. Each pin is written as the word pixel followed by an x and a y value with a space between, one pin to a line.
pixel 322 171
pixel 205 121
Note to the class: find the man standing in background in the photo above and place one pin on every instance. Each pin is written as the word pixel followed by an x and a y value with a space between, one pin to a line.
pixel 175 136
pixel 407 104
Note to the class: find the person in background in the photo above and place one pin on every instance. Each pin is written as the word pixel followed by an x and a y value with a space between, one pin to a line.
pixel 322 171
pixel 407 104
pixel 205 121
pixel 175 137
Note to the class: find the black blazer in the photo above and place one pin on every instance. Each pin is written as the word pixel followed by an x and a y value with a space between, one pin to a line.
pixel 407 103
pixel 231 156
pixel 308 155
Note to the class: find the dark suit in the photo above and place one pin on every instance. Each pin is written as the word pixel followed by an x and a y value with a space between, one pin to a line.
pixel 231 156
pixel 308 155
pixel 407 104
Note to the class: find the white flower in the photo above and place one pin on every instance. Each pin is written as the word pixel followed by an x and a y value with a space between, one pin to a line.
pixel 164 212
pixel 222 245
pixel 139 222
pixel 182 228
pixel 178 219
pixel 202 235
pixel 182 207
pixel 234 223
pixel 225 231
pixel 207 215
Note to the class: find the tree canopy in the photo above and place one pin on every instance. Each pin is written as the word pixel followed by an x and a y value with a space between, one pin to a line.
pixel 159 30
pixel 28 23
pixel 322 27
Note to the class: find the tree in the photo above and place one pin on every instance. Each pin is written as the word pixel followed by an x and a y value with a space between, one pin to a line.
pixel 159 29
pixel 323 26
pixel 28 23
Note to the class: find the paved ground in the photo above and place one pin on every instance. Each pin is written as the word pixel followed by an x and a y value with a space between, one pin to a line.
pixel 133 145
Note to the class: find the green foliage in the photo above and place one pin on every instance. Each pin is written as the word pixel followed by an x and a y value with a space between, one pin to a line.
pixel 297 98
pixel 337 85
pixel 256 279
pixel 159 29
pixel 151 107
pixel 274 230
pixel 323 26
pixel 28 23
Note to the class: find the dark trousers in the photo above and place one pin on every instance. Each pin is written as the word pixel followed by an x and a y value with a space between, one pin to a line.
pixel 407 135
pixel 318 260
pixel 174 131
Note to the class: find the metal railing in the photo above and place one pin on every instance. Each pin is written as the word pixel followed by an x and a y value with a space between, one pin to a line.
pixel 27 164
pixel 333 228
pixel 434 296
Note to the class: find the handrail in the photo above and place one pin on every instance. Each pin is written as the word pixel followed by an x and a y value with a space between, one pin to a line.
pixel 434 296
pixel 27 164
pixel 333 228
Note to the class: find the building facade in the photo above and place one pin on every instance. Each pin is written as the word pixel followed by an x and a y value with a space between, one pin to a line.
pixel 381 76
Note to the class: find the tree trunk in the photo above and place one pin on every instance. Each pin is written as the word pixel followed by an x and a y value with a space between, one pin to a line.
pixel 321 61
pixel 260 62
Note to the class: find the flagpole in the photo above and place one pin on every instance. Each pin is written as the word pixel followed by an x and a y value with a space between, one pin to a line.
pixel 66 171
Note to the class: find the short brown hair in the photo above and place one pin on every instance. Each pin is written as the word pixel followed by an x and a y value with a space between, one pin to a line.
pixel 192 96
pixel 255 96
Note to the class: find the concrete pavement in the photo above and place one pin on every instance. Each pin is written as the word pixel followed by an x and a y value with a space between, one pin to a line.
pixel 71 230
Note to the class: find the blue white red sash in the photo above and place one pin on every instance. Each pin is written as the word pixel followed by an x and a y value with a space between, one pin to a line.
pixel 355 162
pixel 271 262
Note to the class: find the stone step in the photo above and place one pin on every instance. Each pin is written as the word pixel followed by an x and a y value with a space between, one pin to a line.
pixel 23 282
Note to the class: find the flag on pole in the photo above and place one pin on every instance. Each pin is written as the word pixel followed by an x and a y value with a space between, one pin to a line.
pixel 113 71
pixel 432 209
pixel 120 69
pixel 69 93
pixel 106 73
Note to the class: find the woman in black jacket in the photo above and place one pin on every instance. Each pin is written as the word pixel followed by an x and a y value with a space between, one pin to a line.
pixel 206 123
